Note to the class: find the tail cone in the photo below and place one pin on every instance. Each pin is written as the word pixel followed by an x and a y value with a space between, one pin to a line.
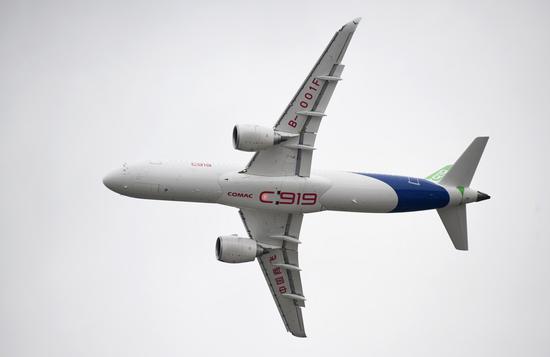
pixel 482 196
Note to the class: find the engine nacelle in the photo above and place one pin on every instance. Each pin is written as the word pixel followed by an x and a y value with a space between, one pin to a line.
pixel 254 137
pixel 232 249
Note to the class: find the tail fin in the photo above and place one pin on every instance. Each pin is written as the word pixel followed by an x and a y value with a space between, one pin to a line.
pixel 460 175
pixel 454 220
pixel 464 168
pixel 439 174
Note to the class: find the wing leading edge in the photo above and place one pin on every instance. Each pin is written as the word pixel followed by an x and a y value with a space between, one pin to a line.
pixel 304 113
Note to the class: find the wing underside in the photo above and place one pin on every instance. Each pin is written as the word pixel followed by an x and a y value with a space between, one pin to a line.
pixel 278 233
pixel 304 113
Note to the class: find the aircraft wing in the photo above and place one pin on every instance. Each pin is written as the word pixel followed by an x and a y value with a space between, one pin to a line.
pixel 303 114
pixel 279 233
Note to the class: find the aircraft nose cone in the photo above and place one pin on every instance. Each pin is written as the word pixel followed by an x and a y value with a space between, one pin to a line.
pixel 114 181
pixel 110 181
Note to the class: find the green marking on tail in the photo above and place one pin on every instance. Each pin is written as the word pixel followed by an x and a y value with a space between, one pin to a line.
pixel 461 189
pixel 439 174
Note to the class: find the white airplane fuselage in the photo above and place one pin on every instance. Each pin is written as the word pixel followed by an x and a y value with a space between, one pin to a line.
pixel 278 186
pixel 324 190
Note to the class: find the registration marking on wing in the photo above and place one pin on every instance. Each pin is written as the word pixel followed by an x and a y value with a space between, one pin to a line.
pixel 278 274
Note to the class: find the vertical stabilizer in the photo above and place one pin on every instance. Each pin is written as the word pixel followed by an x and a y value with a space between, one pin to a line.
pixel 454 219
pixel 464 168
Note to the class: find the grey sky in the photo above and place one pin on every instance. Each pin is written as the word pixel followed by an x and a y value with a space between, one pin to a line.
pixel 85 86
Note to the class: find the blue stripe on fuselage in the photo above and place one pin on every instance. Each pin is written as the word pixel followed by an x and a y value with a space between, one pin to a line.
pixel 414 194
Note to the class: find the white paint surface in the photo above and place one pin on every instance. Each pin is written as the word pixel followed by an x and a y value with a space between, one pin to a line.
pixel 87 85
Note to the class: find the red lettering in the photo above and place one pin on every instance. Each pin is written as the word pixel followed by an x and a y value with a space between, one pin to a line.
pixel 201 164
pixel 316 82
pixel 303 104
pixel 309 199
pixel 308 95
pixel 282 289
pixel 279 280
pixel 272 258
pixel 277 271
pixel 264 196
pixel 239 194
pixel 287 198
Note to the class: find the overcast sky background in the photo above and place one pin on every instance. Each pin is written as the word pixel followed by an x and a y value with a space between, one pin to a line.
pixel 88 85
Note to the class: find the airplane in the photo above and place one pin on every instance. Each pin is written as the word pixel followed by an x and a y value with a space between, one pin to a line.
pixel 277 187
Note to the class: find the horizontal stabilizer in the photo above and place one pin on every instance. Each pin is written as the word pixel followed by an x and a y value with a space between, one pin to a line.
pixel 463 170
pixel 454 220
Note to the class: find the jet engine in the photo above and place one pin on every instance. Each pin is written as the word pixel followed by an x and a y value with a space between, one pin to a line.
pixel 254 137
pixel 232 249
